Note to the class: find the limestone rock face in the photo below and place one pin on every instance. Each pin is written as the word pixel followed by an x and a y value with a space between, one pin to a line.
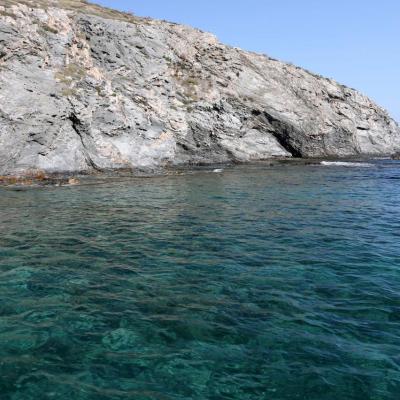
pixel 84 88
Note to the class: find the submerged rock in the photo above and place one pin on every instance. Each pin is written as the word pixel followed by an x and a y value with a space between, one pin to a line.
pixel 73 181
pixel 121 339
pixel 85 88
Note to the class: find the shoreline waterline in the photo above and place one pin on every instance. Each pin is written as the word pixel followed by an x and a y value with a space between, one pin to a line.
pixel 41 178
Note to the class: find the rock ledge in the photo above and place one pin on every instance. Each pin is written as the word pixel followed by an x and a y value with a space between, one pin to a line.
pixel 84 88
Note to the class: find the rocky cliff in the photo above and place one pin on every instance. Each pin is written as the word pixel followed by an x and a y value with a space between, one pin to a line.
pixel 84 88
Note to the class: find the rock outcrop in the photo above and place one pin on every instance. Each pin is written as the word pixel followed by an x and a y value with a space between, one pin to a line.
pixel 86 88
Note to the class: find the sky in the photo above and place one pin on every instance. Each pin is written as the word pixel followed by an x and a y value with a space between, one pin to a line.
pixel 356 42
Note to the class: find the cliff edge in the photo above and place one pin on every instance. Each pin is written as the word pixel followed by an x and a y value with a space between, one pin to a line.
pixel 87 88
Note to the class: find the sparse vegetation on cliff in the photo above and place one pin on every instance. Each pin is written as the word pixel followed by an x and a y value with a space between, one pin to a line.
pixel 89 94
pixel 82 6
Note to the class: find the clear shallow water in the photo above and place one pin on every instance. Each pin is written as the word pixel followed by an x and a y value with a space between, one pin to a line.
pixel 254 283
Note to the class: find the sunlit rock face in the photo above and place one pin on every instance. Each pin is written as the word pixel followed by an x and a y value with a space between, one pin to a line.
pixel 86 88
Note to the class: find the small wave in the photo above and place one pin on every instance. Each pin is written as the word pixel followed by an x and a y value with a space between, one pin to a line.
pixel 218 170
pixel 345 164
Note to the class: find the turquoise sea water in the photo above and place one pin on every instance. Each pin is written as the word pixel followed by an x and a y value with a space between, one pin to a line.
pixel 255 283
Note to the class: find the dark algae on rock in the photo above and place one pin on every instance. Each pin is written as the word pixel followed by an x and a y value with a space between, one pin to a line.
pixel 85 88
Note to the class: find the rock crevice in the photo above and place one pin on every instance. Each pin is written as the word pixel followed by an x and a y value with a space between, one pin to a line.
pixel 87 88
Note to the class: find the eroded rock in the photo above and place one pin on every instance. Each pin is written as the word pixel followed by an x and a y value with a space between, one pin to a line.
pixel 84 88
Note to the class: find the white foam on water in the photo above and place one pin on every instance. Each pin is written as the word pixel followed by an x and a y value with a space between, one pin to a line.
pixel 218 170
pixel 345 164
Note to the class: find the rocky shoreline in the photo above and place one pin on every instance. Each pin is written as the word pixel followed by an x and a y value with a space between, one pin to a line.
pixel 62 179
pixel 84 89
pixel 38 179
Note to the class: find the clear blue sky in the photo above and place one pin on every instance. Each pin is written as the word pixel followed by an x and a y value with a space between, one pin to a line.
pixel 356 42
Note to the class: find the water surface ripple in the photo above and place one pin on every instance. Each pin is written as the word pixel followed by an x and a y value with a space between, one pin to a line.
pixel 254 283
